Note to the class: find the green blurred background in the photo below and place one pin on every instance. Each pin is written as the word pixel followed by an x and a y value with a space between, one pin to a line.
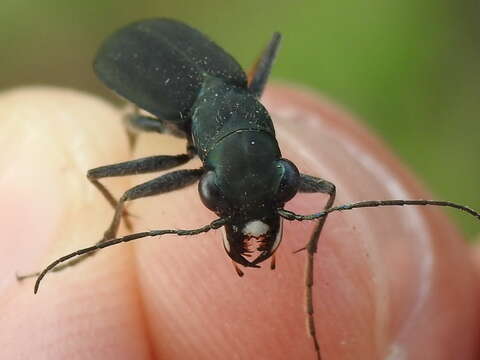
pixel 409 68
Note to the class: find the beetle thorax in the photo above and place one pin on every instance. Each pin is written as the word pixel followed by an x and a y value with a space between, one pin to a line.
pixel 245 165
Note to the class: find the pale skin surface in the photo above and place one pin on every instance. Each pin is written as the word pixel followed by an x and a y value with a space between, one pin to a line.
pixel 389 283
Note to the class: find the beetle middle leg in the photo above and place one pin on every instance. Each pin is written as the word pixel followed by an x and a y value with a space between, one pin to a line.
pixel 168 182
pixel 310 184
pixel 134 167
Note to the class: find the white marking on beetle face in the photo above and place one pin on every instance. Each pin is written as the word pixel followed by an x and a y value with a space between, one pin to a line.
pixel 255 228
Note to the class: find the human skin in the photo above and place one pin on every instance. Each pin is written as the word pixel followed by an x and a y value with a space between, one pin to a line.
pixel 390 283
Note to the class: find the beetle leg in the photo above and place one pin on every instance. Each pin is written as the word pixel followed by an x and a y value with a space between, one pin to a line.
pixel 310 184
pixel 146 123
pixel 168 182
pixel 133 167
pixel 258 76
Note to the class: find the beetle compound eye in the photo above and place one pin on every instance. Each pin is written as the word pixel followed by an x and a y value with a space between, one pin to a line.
pixel 210 194
pixel 289 182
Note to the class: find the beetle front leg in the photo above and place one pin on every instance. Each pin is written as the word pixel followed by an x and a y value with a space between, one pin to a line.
pixel 169 182
pixel 310 184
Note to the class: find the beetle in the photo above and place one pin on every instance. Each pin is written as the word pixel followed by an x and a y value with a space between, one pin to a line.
pixel 195 90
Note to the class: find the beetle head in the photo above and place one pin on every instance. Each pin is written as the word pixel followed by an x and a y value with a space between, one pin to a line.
pixel 249 242
pixel 254 229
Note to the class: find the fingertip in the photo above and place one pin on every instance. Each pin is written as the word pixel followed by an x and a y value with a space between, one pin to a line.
pixel 398 259
pixel 50 138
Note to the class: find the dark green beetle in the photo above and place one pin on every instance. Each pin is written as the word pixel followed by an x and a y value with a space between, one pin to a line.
pixel 197 91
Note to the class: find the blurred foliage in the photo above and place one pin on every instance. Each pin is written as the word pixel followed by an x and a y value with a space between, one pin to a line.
pixel 409 68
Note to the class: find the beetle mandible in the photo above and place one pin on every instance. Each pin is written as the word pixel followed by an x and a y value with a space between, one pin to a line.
pixel 197 91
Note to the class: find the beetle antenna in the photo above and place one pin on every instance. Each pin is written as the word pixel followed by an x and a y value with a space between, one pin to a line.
pixel 289 215
pixel 213 225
